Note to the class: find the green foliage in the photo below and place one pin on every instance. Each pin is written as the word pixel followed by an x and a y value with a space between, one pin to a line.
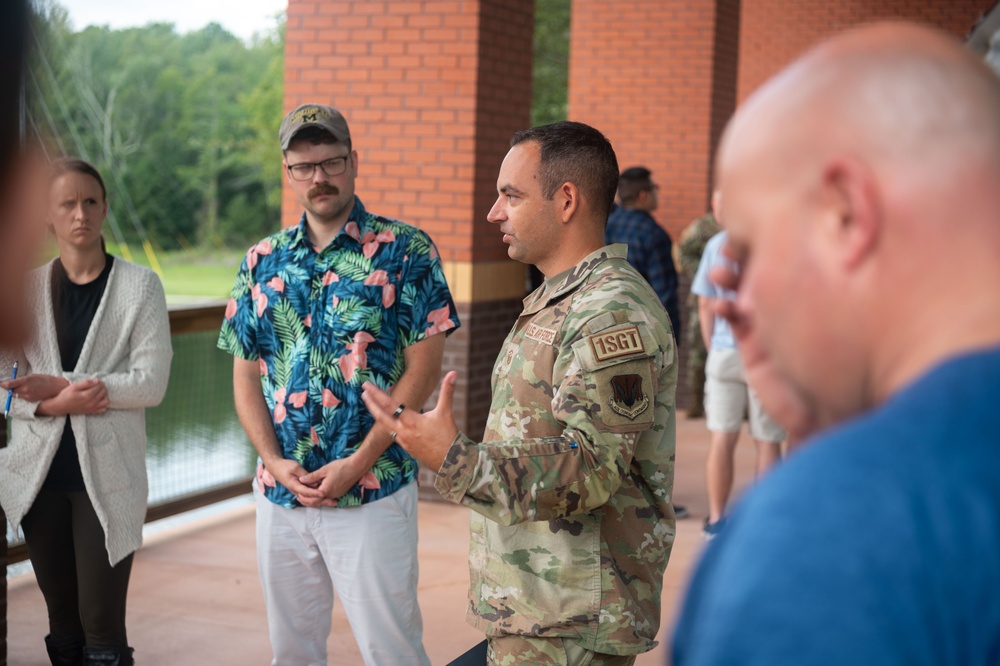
pixel 384 469
pixel 287 324
pixel 229 338
pixel 348 265
pixel 551 61
pixel 302 449
pixel 182 126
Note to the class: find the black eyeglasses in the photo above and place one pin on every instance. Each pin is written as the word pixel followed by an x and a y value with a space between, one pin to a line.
pixel 305 170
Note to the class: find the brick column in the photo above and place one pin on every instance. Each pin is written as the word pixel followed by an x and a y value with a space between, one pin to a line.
pixel 432 92
pixel 659 79
pixel 642 73
pixel 775 32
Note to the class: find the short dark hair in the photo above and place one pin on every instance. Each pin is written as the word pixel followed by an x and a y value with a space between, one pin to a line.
pixel 65 165
pixel 315 136
pixel 632 182
pixel 576 153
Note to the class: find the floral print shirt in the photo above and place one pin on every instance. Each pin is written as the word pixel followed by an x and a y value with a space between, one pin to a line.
pixel 321 322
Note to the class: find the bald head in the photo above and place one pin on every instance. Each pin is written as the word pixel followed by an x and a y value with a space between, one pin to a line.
pixel 852 180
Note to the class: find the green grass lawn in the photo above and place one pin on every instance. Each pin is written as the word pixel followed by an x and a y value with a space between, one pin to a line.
pixel 191 275
pixel 199 280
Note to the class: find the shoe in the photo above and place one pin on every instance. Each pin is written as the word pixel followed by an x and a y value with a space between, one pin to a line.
pixel 108 656
pixel 711 530
pixel 64 651
pixel 681 512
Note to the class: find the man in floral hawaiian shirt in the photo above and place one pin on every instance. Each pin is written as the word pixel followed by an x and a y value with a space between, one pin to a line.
pixel 345 297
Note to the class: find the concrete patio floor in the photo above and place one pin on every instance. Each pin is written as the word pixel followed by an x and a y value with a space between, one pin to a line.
pixel 195 598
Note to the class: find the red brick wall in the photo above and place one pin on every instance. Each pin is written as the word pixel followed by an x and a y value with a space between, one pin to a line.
pixel 431 90
pixel 774 32
pixel 434 89
pixel 641 72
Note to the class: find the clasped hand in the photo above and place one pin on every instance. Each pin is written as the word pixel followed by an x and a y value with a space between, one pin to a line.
pixel 319 488
pixel 58 397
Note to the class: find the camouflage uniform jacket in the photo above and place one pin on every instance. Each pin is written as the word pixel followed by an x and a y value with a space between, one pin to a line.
pixel 692 243
pixel 571 487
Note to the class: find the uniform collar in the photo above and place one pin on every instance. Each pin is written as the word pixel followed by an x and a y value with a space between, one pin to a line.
pixel 570 279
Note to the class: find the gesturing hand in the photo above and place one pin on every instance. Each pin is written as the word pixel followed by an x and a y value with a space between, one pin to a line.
pixel 427 437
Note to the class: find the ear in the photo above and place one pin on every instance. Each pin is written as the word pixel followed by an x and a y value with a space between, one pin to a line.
pixel 853 193
pixel 568 199
pixel 642 200
pixel 284 169
pixel 354 161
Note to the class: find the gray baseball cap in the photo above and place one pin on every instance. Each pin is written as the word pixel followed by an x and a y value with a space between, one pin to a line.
pixel 313 115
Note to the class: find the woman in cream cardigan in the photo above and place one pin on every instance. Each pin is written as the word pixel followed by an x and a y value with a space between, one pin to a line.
pixel 74 473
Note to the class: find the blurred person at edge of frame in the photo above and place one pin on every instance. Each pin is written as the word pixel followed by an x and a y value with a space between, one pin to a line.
pixel 22 178
pixel 74 473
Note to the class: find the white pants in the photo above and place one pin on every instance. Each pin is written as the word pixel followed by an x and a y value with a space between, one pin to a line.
pixel 368 554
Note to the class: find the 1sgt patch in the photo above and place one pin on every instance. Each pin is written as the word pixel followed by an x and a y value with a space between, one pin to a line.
pixel 627 397
pixel 621 342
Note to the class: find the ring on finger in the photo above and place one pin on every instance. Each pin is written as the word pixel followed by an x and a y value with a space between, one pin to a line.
pixel 399 410
pixel 393 435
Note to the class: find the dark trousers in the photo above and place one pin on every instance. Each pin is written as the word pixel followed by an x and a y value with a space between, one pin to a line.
pixel 84 594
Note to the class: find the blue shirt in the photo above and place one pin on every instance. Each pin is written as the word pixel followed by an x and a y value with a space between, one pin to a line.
pixel 321 322
pixel 876 543
pixel 722 333
pixel 649 252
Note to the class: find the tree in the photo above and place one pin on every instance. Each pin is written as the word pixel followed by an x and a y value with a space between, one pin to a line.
pixel 551 61
pixel 174 122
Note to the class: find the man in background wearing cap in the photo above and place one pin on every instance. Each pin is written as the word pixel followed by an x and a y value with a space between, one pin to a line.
pixel 345 297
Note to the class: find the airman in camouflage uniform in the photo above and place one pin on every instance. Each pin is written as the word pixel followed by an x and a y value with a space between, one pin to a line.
pixel 572 521
pixel 571 486
pixel 689 251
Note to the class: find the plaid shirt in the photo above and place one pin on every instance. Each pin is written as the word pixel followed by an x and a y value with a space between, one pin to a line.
pixel 649 251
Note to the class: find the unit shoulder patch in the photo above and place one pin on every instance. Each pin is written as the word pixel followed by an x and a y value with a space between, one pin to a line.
pixel 627 396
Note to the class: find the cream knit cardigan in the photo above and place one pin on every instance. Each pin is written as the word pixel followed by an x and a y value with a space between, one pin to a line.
pixel 127 348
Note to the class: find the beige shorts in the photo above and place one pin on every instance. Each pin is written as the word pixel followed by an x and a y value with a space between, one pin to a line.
pixel 727 396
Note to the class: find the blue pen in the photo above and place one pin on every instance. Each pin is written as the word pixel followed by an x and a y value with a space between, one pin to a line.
pixel 10 392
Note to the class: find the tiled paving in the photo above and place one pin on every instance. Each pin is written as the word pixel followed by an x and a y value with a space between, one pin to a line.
pixel 195 598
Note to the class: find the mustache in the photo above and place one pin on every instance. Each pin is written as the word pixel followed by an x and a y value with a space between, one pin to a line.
pixel 322 188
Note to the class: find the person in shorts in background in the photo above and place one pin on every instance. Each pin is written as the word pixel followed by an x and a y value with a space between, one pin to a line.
pixel 728 396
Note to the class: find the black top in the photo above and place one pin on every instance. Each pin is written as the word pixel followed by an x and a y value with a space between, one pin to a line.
pixel 74 306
